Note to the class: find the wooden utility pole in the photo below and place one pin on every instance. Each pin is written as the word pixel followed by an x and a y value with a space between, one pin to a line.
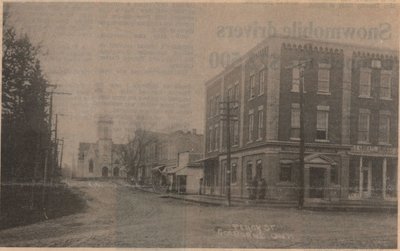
pixel 226 106
pixel 49 160
pixel 48 157
pixel 301 65
pixel 301 150
pixel 61 154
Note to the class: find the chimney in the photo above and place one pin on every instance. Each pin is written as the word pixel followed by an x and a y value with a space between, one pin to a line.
pixel 194 131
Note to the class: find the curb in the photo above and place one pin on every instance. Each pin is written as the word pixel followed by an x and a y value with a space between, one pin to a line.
pixel 218 202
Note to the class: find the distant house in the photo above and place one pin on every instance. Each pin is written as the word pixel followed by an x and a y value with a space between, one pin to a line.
pixel 188 174
pixel 100 159
pixel 162 153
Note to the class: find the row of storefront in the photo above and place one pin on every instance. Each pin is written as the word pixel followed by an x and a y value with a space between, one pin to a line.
pixel 330 173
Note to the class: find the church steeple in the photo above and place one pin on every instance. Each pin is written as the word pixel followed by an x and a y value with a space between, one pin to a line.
pixel 104 128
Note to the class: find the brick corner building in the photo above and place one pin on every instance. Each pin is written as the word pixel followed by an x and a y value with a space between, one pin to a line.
pixel 351 121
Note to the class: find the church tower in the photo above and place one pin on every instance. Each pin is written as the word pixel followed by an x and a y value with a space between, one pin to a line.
pixel 104 134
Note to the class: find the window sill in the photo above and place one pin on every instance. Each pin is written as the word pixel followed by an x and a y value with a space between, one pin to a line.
pixel 363 143
pixel 262 93
pixel 322 140
pixel 249 142
pixel 297 91
pixel 295 139
pixel 323 93
pixel 366 97
pixel 251 98
pixel 384 144
pixel 259 139
pixel 286 183
pixel 385 98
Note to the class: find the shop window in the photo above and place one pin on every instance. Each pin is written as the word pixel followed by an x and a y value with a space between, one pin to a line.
pixel 334 175
pixel 234 173
pixel 259 169
pixel 285 172
pixel 249 172
pixel 91 166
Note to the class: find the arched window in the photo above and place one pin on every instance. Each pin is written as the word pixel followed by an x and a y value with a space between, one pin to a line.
pixel 91 166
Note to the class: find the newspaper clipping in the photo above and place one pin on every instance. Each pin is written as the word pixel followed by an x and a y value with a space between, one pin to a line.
pixel 199 125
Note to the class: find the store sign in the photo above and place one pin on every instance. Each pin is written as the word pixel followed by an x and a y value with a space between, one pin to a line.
pixel 309 149
pixel 374 150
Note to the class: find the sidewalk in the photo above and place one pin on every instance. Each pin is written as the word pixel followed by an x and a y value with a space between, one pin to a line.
pixel 342 205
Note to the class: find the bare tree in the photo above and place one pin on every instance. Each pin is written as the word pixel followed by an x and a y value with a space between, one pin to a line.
pixel 133 153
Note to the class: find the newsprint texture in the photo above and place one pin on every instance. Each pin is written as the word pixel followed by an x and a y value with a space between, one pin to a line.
pixel 199 125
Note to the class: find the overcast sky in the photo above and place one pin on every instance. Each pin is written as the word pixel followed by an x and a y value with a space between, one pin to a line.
pixel 150 61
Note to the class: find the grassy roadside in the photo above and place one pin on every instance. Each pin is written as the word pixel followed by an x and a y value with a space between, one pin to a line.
pixel 18 209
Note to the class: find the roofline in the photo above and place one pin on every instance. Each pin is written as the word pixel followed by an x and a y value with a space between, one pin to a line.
pixel 282 39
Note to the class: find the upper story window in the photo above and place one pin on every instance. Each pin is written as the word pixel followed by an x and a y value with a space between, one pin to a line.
pixel 260 121
pixel 251 125
pixel 216 137
pixel 210 131
pixel 384 127
pixel 231 93
pixel 323 78
pixel 385 85
pixel 235 132
pixel 295 79
pixel 236 91
pixel 363 126
pixel 252 86
pixel 322 122
pixel 295 122
pixel 365 82
pixel 376 63
pixel 261 81
pixel 210 107
pixel 217 100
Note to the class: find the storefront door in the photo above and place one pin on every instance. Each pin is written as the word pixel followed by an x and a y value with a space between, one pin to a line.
pixel 317 182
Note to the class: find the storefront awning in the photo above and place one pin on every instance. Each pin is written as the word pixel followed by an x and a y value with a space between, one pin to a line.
pixel 205 159
pixel 158 168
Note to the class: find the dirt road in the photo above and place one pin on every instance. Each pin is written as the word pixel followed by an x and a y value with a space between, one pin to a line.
pixel 117 215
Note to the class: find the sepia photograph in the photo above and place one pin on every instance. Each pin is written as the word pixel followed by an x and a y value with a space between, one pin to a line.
pixel 246 125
